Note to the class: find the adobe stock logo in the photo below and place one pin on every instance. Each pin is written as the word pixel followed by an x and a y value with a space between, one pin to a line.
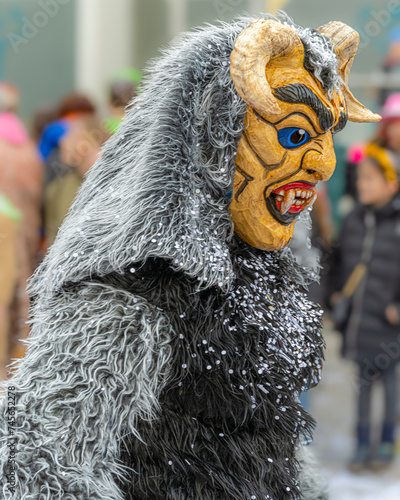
pixel 379 20
pixel 226 7
pixel 30 27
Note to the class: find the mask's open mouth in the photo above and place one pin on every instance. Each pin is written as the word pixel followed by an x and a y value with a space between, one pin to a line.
pixel 287 202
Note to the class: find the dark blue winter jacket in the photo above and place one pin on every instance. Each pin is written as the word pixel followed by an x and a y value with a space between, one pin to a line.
pixel 376 234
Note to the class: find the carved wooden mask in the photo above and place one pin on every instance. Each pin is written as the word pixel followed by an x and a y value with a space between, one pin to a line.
pixel 286 147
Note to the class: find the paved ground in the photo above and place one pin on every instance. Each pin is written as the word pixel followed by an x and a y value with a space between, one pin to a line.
pixel 332 404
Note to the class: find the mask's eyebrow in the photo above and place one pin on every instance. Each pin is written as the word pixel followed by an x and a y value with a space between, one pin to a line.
pixel 341 123
pixel 297 93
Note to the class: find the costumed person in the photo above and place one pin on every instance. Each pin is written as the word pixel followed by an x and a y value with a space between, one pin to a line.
pixel 171 333
pixel 366 285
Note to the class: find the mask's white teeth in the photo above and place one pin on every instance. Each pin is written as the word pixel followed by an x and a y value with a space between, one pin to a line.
pixel 281 192
pixel 312 201
pixel 288 200
pixel 298 202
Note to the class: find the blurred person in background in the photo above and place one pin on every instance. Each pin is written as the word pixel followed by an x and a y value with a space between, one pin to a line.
pixel 389 129
pixel 391 64
pixel 366 282
pixel 79 149
pixel 387 136
pixel 9 221
pixel 123 89
pixel 72 107
pixel 43 116
pixel 21 180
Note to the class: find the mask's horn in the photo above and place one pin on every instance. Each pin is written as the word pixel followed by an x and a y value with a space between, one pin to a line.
pixel 256 45
pixel 345 42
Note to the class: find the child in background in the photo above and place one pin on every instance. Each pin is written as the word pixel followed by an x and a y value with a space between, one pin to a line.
pixel 123 89
pixel 387 136
pixel 79 149
pixel 370 242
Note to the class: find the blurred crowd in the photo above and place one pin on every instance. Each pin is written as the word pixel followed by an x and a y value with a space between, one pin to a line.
pixel 43 165
pixel 360 282
pixel 359 271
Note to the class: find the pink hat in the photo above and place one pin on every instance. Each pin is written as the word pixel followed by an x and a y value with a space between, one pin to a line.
pixel 12 129
pixel 391 108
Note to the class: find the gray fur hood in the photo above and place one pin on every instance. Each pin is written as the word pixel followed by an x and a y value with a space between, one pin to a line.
pixel 160 187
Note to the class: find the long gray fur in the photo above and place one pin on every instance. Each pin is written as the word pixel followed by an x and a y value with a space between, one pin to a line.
pixel 96 361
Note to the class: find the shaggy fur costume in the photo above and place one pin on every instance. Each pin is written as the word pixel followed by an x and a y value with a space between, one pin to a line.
pixel 166 356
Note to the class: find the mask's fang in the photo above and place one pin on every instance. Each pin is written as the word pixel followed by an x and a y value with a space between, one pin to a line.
pixel 288 201
pixel 312 201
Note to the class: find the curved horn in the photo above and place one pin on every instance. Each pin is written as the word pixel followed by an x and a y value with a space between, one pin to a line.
pixel 256 45
pixel 345 42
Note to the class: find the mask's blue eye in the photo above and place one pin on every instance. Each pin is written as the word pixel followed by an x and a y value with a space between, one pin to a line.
pixel 292 137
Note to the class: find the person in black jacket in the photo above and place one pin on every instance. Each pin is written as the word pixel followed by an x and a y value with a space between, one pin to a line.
pixel 370 242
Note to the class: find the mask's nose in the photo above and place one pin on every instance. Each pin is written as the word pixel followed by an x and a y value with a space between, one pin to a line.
pixel 321 160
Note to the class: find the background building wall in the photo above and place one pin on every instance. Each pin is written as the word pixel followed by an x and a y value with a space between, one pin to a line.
pixel 50 47
pixel 374 19
pixel 104 43
pixel 37 49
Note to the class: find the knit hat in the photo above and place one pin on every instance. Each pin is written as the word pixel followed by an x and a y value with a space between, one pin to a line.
pixel 386 159
pixel 391 108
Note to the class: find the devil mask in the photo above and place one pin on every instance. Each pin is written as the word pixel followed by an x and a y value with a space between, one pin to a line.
pixel 286 147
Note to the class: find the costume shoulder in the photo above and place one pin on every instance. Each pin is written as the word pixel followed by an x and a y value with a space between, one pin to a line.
pixel 96 361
